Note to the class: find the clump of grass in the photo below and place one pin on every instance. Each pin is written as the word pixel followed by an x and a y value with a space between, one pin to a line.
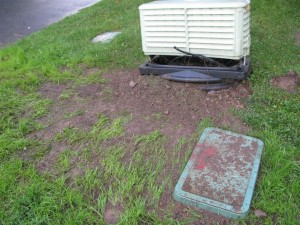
pixel 79 112
pixel 71 135
pixel 104 129
pixel 36 199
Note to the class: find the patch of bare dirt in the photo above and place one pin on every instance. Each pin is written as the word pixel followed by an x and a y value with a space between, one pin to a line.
pixel 289 82
pixel 85 99
pixel 177 105
pixel 52 91
pixel 228 121
pixel 92 90
pixel 297 37
pixel 173 108
pixel 112 213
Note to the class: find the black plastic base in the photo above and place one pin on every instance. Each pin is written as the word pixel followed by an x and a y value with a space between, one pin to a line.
pixel 238 72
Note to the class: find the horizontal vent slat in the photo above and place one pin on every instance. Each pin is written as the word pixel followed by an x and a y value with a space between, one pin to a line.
pixel 164 29
pixel 211 11
pixel 213 51
pixel 165 17
pixel 211 18
pixel 165 34
pixel 165 45
pixel 166 39
pixel 164 23
pixel 211 41
pixel 212 46
pixel 163 12
pixel 211 35
pixel 211 23
pixel 212 29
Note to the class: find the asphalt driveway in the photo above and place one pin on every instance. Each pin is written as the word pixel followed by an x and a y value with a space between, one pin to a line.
pixel 19 18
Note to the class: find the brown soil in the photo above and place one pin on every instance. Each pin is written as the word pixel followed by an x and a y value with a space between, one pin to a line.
pixel 297 37
pixel 173 108
pixel 112 213
pixel 289 82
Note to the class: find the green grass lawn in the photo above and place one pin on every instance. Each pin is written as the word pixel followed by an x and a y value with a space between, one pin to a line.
pixel 59 54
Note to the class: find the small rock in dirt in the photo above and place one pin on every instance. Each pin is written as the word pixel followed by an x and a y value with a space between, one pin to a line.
pixel 243 91
pixel 132 84
pixel 240 106
pixel 220 97
pixel 166 112
pixel 211 92
pixel 259 213
pixel 168 86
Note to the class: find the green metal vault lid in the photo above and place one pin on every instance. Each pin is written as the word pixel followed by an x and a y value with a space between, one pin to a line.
pixel 221 173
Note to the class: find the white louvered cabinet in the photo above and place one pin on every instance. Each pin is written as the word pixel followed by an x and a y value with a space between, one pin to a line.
pixel 214 28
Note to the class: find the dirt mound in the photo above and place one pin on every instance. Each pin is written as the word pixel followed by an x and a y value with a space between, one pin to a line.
pixel 181 105
pixel 289 82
